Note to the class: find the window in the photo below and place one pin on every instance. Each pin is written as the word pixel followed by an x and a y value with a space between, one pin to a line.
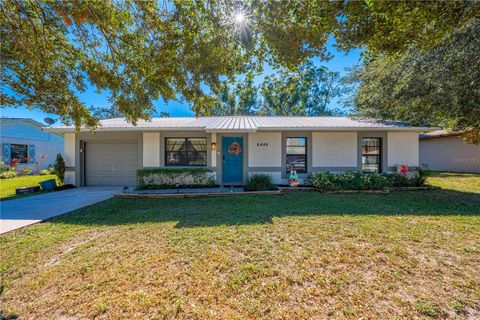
pixel 371 154
pixel 19 151
pixel 296 152
pixel 186 151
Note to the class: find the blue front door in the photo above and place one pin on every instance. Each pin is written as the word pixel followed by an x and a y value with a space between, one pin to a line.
pixel 232 159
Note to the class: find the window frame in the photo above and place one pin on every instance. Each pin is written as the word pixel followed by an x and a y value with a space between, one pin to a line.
pixel 26 150
pixel 291 154
pixel 186 152
pixel 379 156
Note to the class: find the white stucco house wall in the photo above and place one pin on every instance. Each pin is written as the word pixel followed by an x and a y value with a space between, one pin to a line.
pixel 445 151
pixel 236 147
pixel 23 139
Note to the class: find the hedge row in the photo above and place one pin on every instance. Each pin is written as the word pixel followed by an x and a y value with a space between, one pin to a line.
pixel 355 180
pixel 159 178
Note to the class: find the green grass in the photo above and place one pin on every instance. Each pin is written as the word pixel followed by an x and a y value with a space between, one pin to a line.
pixel 8 186
pixel 456 181
pixel 299 256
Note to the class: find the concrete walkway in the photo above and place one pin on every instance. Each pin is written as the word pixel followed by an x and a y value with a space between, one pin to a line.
pixel 18 213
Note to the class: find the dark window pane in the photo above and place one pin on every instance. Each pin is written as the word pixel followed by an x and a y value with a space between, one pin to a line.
pixel 370 159
pixel 176 144
pixel 19 151
pixel 371 150
pixel 197 158
pixel 296 141
pixel 176 158
pixel 371 168
pixel 197 144
pixel 296 162
pixel 295 150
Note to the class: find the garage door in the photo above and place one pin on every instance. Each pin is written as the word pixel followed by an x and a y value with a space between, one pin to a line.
pixel 111 163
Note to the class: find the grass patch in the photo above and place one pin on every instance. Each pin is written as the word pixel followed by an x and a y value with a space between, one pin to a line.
pixel 469 182
pixel 8 186
pixel 299 255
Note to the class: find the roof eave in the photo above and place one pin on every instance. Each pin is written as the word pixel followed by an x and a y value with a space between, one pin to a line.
pixel 415 129
pixel 113 129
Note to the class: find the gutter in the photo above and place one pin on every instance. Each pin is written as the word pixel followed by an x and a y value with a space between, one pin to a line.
pixel 156 129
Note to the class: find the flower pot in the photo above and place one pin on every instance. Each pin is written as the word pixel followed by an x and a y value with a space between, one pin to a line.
pixel 48 184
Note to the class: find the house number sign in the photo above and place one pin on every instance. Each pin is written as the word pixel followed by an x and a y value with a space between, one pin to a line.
pixel 262 144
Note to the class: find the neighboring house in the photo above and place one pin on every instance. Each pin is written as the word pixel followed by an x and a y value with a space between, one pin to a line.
pixel 23 139
pixel 236 147
pixel 444 151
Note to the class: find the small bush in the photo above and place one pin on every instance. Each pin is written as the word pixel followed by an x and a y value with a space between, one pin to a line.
pixel 8 174
pixel 415 178
pixel 26 171
pixel 60 168
pixel 260 182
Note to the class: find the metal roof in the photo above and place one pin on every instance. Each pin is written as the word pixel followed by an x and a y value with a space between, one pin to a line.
pixel 247 124
pixel 439 134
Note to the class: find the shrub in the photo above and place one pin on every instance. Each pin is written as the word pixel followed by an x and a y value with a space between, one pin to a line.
pixel 356 180
pixel 159 178
pixel 7 171
pixel 260 182
pixel 416 177
pixel 353 180
pixel 60 168
pixel 25 171
pixel 8 174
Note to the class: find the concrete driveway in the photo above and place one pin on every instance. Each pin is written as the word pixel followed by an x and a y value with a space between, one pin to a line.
pixel 18 213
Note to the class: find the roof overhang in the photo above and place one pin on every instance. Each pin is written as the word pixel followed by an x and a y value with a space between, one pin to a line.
pixel 141 129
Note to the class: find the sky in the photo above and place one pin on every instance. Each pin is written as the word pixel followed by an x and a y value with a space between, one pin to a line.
pixel 339 62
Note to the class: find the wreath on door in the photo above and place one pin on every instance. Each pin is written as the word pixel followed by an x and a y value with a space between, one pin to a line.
pixel 234 148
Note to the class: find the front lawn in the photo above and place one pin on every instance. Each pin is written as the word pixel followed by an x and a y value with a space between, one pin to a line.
pixel 456 181
pixel 8 186
pixel 296 256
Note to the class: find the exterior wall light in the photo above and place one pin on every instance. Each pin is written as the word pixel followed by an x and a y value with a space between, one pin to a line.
pixel 213 146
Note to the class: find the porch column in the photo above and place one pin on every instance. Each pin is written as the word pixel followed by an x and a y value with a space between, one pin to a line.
pixel 69 153
pixel 214 152
pixel 151 149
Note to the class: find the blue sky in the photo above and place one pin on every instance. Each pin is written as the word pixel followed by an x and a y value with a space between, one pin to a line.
pixel 339 62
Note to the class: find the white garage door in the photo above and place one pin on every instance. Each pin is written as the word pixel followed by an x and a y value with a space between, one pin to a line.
pixel 111 163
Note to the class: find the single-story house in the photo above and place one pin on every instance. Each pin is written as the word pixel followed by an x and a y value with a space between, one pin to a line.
pixel 24 139
pixel 441 150
pixel 236 147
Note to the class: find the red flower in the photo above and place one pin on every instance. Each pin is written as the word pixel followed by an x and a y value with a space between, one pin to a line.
pixel 14 162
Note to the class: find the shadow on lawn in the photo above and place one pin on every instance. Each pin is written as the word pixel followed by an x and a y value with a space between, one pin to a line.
pixel 261 209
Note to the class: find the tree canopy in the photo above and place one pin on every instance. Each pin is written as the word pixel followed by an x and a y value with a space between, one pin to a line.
pixel 306 91
pixel 142 51
pixel 439 86
pixel 240 98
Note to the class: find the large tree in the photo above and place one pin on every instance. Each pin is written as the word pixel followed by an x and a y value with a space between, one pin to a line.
pixel 238 98
pixel 304 92
pixel 439 86
pixel 141 51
